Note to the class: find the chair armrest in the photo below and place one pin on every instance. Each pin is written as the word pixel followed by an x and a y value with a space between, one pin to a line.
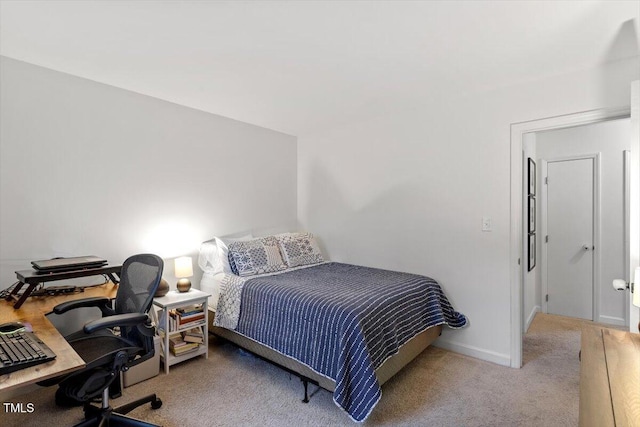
pixel 101 302
pixel 126 319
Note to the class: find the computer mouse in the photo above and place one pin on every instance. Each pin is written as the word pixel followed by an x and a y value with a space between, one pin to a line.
pixel 7 328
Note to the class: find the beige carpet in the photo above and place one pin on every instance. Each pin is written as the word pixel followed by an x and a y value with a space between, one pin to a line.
pixel 439 388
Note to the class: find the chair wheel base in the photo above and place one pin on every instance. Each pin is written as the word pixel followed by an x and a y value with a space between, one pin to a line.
pixel 155 404
pixel 65 401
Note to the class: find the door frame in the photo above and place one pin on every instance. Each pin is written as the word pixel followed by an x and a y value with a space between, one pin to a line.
pixel 595 268
pixel 516 234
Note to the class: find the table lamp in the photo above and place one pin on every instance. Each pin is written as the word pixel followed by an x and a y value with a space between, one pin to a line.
pixel 183 270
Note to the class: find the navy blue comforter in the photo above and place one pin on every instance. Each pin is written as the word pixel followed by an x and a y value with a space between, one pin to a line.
pixel 343 321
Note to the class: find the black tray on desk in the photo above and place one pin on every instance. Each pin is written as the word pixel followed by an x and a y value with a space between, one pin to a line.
pixel 32 278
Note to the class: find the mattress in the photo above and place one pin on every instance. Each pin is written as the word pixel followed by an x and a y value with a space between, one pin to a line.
pixel 211 284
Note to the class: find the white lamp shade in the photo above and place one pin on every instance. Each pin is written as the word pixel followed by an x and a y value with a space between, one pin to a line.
pixel 636 288
pixel 184 267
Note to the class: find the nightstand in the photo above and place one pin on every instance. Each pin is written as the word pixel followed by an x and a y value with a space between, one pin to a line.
pixel 172 322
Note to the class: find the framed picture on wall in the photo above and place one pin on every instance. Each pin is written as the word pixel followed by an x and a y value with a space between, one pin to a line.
pixel 532 214
pixel 532 250
pixel 532 177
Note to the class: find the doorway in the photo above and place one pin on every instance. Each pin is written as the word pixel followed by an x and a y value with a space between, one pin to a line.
pixel 571 217
pixel 518 253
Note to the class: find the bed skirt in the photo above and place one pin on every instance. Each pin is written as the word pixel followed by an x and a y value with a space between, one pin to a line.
pixel 389 368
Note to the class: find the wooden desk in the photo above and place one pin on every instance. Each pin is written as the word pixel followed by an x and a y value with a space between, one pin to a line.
pixel 609 378
pixel 34 312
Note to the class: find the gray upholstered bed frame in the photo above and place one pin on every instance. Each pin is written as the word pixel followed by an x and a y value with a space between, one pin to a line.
pixel 389 368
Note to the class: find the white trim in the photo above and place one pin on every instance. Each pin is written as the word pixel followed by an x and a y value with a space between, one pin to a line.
pixel 472 351
pixel 597 236
pixel 627 233
pixel 535 310
pixel 516 237
pixel 626 203
pixel 634 203
pixel 544 230
pixel 610 320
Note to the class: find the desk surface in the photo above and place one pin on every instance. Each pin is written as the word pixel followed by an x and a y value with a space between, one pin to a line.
pixel 609 378
pixel 34 311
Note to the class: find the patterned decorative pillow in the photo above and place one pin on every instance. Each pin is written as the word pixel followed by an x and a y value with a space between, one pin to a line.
pixel 299 249
pixel 232 263
pixel 256 256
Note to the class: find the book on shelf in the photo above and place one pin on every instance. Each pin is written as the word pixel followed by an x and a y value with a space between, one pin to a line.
pixel 190 318
pixel 179 346
pixel 186 348
pixel 190 309
pixel 194 335
pixel 179 321
pixel 197 340
pixel 176 341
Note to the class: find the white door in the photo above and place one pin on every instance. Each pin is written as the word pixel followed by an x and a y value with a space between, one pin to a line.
pixel 570 229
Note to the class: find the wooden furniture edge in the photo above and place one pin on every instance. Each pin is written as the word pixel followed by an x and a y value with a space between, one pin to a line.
pixel 595 397
pixel 622 350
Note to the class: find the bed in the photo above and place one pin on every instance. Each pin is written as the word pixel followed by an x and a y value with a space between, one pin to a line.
pixel 344 327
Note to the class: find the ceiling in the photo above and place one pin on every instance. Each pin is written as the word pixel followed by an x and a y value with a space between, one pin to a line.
pixel 301 66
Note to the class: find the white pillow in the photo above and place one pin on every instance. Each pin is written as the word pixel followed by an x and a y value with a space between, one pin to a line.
pixel 214 254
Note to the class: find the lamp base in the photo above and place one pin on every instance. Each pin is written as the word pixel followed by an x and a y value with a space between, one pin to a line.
pixel 183 285
pixel 163 288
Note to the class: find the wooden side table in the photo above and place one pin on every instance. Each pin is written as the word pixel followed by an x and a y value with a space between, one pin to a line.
pixel 173 300
pixel 609 378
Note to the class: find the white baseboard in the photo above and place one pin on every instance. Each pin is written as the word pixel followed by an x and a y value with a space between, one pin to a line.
pixel 478 353
pixel 530 318
pixel 610 320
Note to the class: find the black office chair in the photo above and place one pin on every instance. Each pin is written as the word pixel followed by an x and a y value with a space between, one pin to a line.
pixel 106 351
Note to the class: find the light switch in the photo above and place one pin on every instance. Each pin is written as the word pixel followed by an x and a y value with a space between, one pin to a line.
pixel 486 223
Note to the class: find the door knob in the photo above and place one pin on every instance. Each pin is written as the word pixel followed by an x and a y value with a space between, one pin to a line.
pixel 620 284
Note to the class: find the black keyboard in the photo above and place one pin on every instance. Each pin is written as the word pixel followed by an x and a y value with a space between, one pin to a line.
pixel 21 349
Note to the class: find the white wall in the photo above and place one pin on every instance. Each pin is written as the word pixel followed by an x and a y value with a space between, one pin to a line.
pixel 609 139
pixel 87 168
pixel 408 191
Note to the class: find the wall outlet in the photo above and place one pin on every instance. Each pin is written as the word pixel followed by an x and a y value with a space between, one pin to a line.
pixel 486 223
